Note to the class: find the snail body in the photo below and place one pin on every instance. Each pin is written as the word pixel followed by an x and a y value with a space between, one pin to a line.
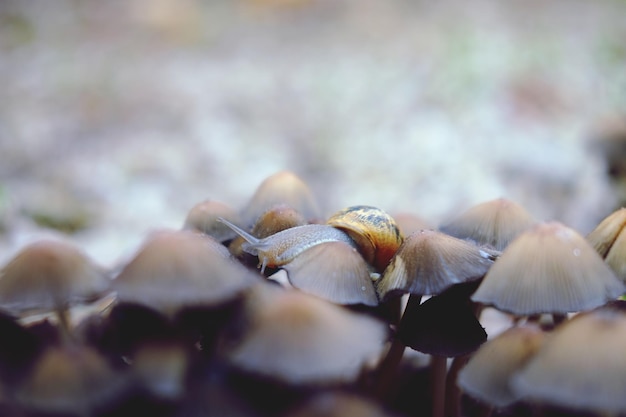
pixel 281 248
pixel 368 229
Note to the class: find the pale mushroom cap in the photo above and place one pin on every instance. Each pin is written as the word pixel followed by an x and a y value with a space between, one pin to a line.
pixel 334 271
pixel 50 275
pixel 488 373
pixel 301 339
pixel 616 258
pixel 70 379
pixel 495 223
pixel 605 233
pixel 428 262
pixel 582 365
pixel 548 269
pixel 284 187
pixel 175 269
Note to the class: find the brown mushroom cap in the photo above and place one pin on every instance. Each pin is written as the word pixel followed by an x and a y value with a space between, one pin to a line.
pixel 429 262
pixel 301 339
pixel 334 271
pixel 70 380
pixel 488 373
pixel 582 365
pixel 494 223
pixel 50 275
pixel 203 218
pixel 284 187
pixel 548 269
pixel 338 404
pixel 175 269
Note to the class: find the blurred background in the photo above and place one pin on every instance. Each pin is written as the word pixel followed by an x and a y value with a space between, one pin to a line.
pixel 117 117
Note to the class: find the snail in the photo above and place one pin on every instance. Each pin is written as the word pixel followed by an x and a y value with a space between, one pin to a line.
pixel 368 229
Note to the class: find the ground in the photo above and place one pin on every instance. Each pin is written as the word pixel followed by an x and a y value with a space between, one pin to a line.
pixel 117 117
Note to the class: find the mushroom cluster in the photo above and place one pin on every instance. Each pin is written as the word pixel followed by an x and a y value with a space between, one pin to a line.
pixel 277 310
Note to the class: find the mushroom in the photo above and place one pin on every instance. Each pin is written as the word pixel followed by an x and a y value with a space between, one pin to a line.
pixel 203 218
pixel 494 223
pixel 300 339
pixel 338 404
pixel 487 375
pixel 334 271
pixel 550 268
pixel 50 275
pixel 581 366
pixel 177 269
pixel 427 263
pixel 609 240
pixel 283 187
pixel 70 379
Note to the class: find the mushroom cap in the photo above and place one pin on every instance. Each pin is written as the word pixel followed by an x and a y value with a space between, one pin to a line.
pixel 609 240
pixel 301 339
pixel 71 379
pixel 283 187
pixel 488 373
pixel 338 404
pixel 494 223
pixel 176 269
pixel 581 365
pixel 50 275
pixel 429 262
pixel 334 271
pixel 550 268
pixel 203 218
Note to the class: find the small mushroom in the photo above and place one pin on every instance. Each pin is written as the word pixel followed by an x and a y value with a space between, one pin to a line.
pixel 334 271
pixel 494 223
pixel 300 339
pixel 550 268
pixel 284 187
pixel 203 218
pixel 581 366
pixel 487 375
pixel 70 379
pixel 177 269
pixel 609 240
pixel 50 275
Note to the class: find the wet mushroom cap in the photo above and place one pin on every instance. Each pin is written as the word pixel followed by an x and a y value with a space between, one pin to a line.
pixel 582 365
pixel 175 269
pixel 334 271
pixel 301 339
pixel 550 268
pixel 488 373
pixel 429 262
pixel 50 275
pixel 494 223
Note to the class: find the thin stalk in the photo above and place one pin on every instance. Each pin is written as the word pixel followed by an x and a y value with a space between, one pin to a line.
pixel 388 366
pixel 438 371
pixel 453 392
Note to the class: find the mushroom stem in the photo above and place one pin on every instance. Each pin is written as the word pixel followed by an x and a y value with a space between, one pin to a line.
pixel 453 392
pixel 62 314
pixel 438 371
pixel 388 366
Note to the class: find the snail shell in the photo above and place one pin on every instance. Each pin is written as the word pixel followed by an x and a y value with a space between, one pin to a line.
pixel 375 232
